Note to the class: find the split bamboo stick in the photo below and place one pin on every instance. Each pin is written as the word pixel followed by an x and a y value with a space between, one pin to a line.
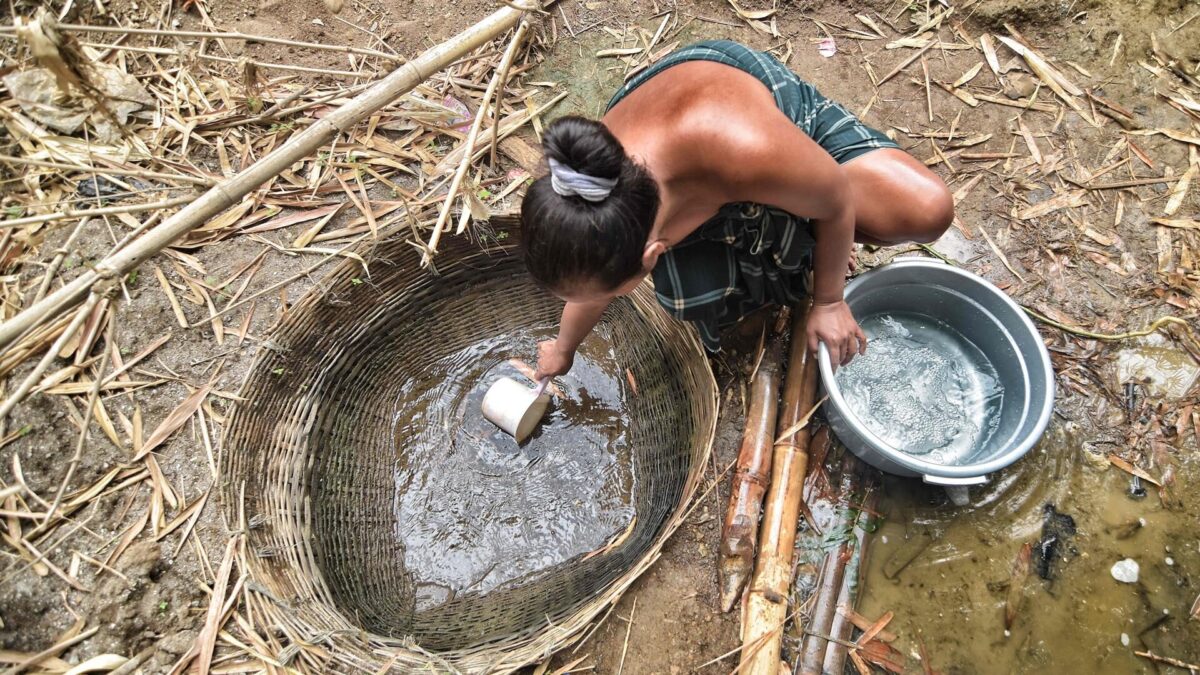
pixel 230 191
pixel 469 144
pixel 767 599
pixel 739 535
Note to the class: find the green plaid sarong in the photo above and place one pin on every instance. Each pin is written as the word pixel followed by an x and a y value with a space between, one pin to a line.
pixel 751 255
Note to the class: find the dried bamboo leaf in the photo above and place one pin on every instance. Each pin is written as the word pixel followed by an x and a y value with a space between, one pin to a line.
pixel 968 76
pixel 751 14
pixel 1179 192
pixel 1065 200
pixel 173 421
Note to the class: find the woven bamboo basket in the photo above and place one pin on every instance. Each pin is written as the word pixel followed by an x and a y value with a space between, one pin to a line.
pixel 309 458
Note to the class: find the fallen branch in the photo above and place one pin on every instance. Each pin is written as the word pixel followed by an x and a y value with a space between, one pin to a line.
pixel 232 190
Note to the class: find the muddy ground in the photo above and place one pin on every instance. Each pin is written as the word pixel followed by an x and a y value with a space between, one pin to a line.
pixel 668 621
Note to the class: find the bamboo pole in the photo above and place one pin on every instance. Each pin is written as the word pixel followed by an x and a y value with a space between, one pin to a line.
pixel 833 568
pixel 767 599
pixel 739 535
pixel 852 582
pixel 230 191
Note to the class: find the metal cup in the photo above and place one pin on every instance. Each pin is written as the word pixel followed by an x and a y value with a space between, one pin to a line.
pixel 514 407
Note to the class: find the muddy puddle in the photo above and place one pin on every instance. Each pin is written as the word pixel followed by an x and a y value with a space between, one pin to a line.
pixel 476 510
pixel 947 572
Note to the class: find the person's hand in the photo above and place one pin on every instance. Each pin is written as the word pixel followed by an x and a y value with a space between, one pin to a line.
pixel 833 324
pixel 553 360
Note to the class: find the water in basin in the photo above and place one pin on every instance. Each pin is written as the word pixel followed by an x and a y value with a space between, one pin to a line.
pixel 923 388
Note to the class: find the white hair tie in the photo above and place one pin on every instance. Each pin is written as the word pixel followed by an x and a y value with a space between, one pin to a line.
pixel 570 183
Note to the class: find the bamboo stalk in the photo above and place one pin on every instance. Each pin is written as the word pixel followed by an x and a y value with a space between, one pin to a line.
pixel 842 627
pixel 833 568
pixel 767 599
pixel 231 191
pixel 739 536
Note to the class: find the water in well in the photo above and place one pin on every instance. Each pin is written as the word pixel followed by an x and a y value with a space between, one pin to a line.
pixel 922 388
pixel 473 508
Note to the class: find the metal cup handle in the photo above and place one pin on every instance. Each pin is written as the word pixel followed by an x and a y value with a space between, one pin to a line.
pixel 948 481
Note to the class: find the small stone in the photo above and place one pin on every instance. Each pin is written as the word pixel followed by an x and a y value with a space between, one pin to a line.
pixel 1170 561
pixel 1125 639
pixel 1125 571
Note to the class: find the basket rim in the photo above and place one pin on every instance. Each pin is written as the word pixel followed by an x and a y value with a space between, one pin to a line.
pixel 354 648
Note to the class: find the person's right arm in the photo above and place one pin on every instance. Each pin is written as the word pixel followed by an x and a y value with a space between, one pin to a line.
pixel 555 357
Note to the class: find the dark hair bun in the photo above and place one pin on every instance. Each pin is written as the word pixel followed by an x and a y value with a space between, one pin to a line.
pixel 584 145
pixel 568 239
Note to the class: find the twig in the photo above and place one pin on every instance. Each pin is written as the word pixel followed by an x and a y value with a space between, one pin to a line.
pixel 56 262
pixel 163 51
pixel 628 630
pixel 139 173
pixel 469 148
pixel 35 375
pixel 505 65
pixel 226 36
pixel 1122 184
pixel 90 213
pixel 1115 337
pixel 88 412
pixel 1168 660
pixel 907 62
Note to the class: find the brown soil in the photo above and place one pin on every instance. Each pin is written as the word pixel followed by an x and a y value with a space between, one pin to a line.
pixel 667 622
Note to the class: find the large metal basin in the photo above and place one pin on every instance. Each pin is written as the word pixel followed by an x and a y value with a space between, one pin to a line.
pixel 982 314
